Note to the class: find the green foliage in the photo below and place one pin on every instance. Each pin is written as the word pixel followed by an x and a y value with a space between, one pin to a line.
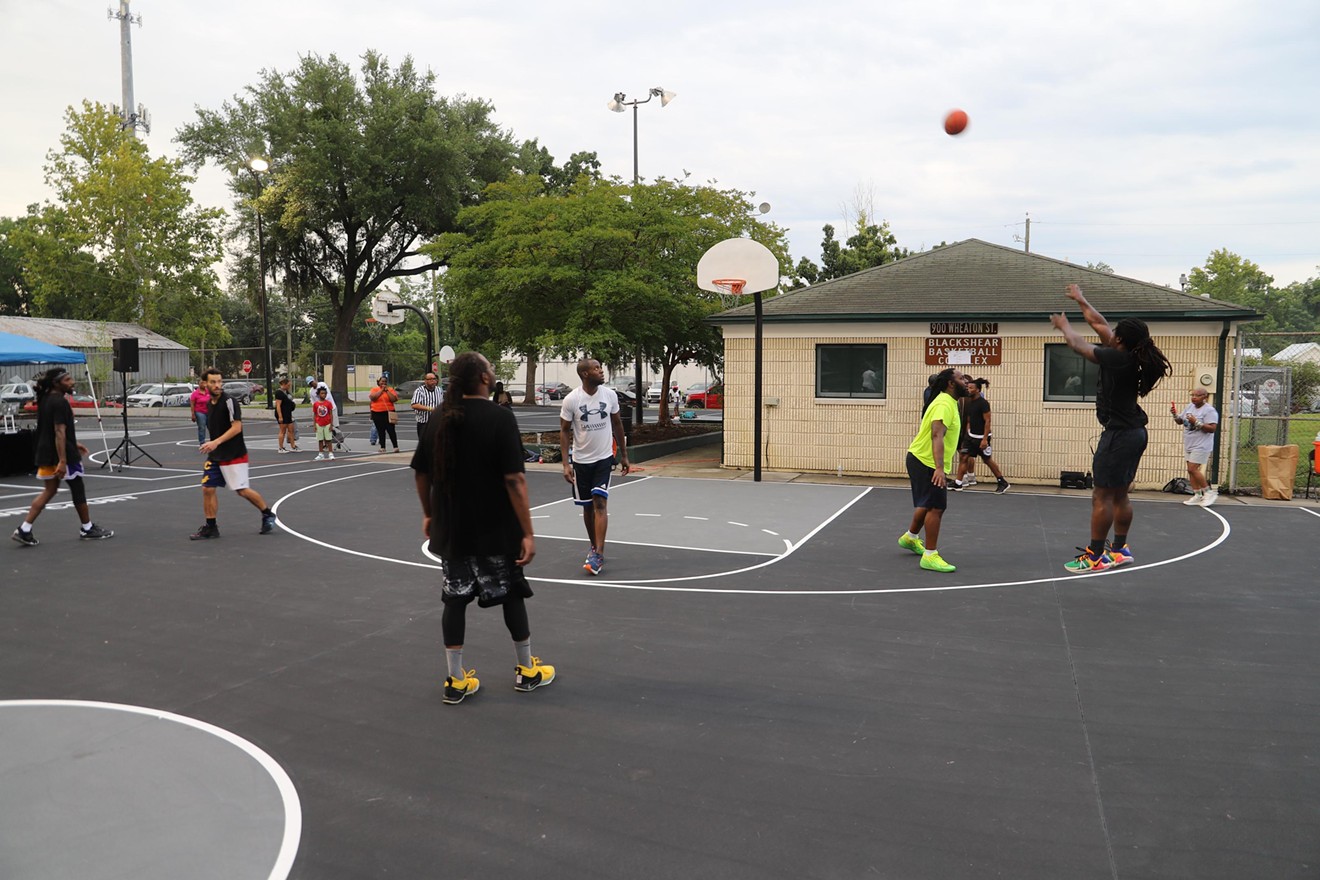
pixel 363 170
pixel 122 240
pixel 603 267
pixel 15 294
pixel 1229 277
pixel 870 245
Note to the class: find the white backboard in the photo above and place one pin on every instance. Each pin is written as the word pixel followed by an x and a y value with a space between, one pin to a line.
pixel 741 258
pixel 381 313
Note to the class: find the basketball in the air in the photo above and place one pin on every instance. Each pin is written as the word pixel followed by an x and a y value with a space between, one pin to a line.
pixel 955 122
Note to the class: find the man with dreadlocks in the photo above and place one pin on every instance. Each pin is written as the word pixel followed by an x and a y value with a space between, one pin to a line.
pixel 59 457
pixel 1130 367
pixel 469 473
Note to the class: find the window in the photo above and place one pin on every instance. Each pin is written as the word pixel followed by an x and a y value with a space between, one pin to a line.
pixel 851 371
pixel 1068 375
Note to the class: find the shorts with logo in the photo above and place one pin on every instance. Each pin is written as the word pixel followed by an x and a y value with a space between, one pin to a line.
pixel 1198 456
pixel 974 448
pixel 219 474
pixel 592 481
pixel 1117 456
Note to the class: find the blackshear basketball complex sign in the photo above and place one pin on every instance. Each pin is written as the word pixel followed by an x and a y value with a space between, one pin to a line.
pixel 965 343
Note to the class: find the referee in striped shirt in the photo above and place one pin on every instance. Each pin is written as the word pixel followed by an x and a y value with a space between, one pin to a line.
pixel 426 400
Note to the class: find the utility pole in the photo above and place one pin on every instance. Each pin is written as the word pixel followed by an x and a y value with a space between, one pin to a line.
pixel 133 119
pixel 1025 240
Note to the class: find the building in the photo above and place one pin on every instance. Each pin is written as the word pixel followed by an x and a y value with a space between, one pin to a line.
pixel 846 361
pixel 1299 353
pixel 159 359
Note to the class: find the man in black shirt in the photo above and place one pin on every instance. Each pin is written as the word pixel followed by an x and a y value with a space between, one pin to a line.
pixel 470 482
pixel 284 406
pixel 976 431
pixel 1130 367
pixel 226 459
pixel 59 457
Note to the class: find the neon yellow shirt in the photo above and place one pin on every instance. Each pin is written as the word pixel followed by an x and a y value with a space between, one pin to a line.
pixel 942 409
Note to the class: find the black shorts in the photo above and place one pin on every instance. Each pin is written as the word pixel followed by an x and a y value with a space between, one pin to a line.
pixel 925 493
pixel 1117 456
pixel 592 481
pixel 487 579
pixel 974 448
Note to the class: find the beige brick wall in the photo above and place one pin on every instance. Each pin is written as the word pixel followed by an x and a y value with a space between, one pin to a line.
pixel 1033 440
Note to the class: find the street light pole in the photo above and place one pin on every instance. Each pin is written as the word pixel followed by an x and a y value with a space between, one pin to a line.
pixel 258 165
pixel 617 103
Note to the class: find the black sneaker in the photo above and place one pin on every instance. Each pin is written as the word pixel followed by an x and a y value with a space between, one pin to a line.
pixel 267 523
pixel 27 539
pixel 957 486
pixel 204 533
pixel 1003 487
pixel 95 533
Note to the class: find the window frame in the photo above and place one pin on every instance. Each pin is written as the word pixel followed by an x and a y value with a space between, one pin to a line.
pixel 1090 377
pixel 854 352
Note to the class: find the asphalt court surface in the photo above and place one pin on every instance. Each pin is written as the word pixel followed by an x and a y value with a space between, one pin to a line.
pixel 761 684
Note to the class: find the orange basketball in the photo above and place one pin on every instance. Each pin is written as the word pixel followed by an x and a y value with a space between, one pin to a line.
pixel 955 122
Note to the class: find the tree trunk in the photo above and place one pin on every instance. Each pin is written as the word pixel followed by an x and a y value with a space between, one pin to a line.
pixel 339 357
pixel 529 393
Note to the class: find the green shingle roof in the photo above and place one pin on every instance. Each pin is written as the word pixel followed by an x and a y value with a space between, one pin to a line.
pixel 975 280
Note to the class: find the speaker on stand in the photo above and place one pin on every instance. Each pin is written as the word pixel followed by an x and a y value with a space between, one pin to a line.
pixel 126 361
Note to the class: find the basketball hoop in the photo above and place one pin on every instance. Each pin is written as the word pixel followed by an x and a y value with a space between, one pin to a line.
pixel 728 287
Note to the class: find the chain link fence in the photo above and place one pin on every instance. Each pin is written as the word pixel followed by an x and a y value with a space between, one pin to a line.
pixel 1275 401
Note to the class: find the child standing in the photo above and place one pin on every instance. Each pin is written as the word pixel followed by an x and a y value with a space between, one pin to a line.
pixel 323 414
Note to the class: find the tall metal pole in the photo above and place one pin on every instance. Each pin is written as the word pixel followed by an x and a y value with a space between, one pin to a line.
pixel 265 324
pixel 637 383
pixel 133 117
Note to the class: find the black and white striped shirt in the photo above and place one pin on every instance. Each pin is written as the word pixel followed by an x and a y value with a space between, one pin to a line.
pixel 426 397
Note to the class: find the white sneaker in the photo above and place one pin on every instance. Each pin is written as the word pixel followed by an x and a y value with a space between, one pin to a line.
pixel 1195 499
pixel 969 480
pixel 320 456
pixel 1210 498
pixel 330 457
pixel 282 451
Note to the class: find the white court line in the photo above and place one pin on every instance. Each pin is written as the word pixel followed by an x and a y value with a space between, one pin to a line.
pixel 288 793
pixel 1308 510
pixel 616 541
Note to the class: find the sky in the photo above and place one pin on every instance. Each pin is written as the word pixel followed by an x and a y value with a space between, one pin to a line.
pixel 1142 135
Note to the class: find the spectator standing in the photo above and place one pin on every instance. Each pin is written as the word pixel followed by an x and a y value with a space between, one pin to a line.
pixel 284 406
pixel 323 417
pixel 383 415
pixel 58 457
pixel 226 459
pixel 477 519
pixel 976 427
pixel 425 401
pixel 199 402
pixel 1200 420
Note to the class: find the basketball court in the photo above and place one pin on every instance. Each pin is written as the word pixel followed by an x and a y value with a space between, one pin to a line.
pixel 759 684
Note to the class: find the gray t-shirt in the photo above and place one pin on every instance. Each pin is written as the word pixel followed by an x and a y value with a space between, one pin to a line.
pixel 1194 439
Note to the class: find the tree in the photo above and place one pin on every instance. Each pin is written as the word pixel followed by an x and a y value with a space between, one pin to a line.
pixel 123 240
pixel 605 267
pixel 362 172
pixel 870 245
pixel 15 294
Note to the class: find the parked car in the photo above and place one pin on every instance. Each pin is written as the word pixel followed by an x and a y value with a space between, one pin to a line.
pixel 407 390
pixel 705 396
pixel 240 390
pixel 118 398
pixel 77 401
pixel 17 393
pixel 553 391
pixel 628 383
pixel 162 395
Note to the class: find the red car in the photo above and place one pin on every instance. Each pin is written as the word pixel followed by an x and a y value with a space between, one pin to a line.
pixel 77 401
pixel 708 397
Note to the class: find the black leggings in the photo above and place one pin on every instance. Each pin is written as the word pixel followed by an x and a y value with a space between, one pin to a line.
pixel 383 426
pixel 453 623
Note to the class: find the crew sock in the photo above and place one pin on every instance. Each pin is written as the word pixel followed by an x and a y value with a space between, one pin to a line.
pixel 524 649
pixel 454 659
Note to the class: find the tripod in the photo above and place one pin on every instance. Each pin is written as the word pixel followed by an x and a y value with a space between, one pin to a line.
pixel 126 446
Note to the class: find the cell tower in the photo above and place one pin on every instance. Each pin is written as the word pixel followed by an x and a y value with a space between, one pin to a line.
pixel 132 120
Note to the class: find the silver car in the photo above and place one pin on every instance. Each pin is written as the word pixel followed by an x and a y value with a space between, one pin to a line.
pixel 162 395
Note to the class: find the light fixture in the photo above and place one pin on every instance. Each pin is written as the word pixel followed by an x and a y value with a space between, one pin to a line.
pixel 616 103
pixel 258 164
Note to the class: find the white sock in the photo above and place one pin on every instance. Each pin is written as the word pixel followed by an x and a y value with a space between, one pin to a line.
pixel 911 536
pixel 25 527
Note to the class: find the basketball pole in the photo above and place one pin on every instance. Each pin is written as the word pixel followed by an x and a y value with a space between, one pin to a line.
pixel 756 396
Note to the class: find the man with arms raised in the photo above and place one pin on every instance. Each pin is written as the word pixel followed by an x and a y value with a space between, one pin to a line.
pixel 589 431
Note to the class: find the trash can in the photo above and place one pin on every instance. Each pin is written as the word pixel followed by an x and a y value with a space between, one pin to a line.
pixel 1278 469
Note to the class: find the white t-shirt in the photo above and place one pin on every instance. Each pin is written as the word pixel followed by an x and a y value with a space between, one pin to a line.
pixel 591 415
pixel 1194 439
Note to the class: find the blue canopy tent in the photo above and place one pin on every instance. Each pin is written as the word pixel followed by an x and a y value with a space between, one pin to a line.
pixel 22 350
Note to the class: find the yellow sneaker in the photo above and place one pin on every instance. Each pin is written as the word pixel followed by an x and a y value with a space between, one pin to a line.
pixel 932 561
pixel 460 690
pixel 529 678
pixel 913 544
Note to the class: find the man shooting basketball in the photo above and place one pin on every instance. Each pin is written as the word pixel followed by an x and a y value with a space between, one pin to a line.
pixel 1130 367
pixel 589 431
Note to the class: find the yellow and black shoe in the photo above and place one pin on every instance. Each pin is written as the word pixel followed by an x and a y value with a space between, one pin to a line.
pixel 529 678
pixel 460 690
